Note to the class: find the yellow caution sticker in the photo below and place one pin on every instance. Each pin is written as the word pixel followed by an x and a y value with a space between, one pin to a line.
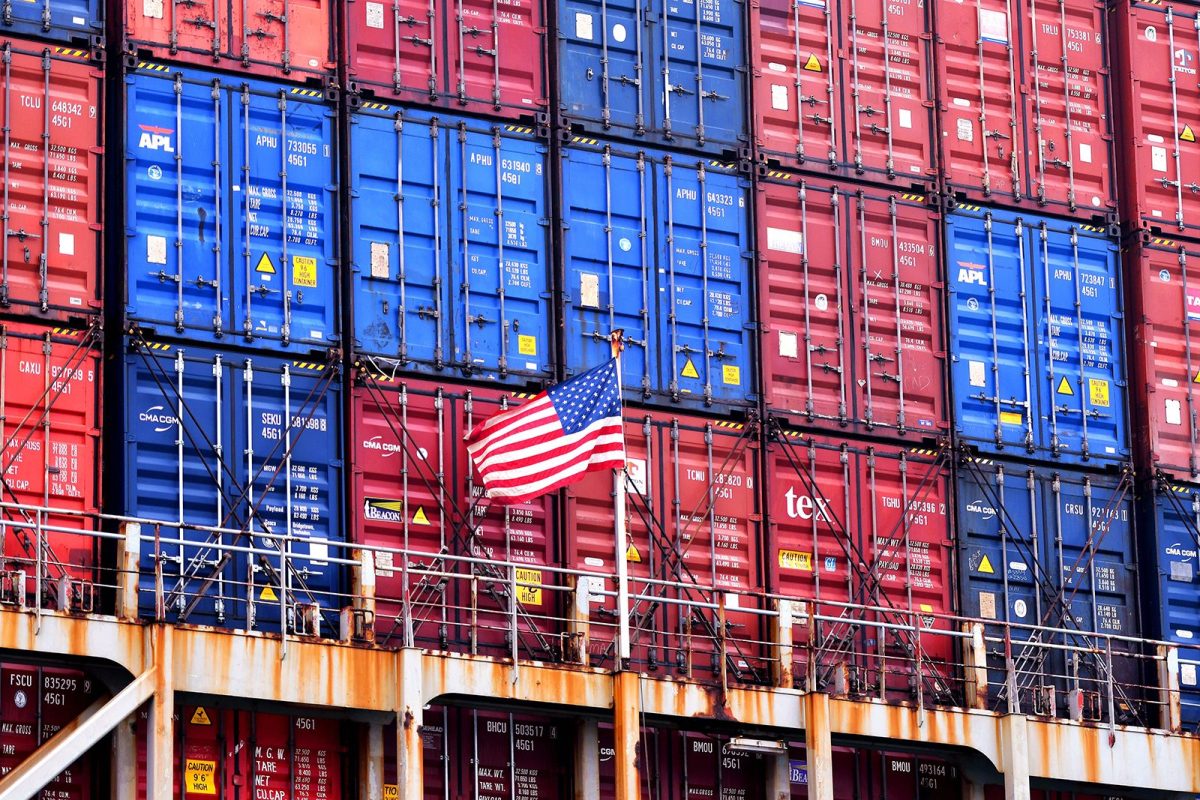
pixel 200 716
pixel 1187 135
pixel 527 345
pixel 528 586
pixel 268 594
pixel 391 791
pixel 813 64
pixel 985 567
pixel 1011 418
pixel 1098 392
pixel 689 370
pixel 304 271
pixel 1064 387
pixel 199 776
pixel 795 559
pixel 731 375
pixel 419 518
pixel 1197 378
pixel 265 265
pixel 632 554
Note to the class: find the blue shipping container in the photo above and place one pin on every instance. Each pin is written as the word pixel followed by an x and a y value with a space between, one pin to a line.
pixel 79 21
pixel 671 72
pixel 659 245
pixel 1036 343
pixel 1055 548
pixel 450 258
pixel 231 229
pixel 251 444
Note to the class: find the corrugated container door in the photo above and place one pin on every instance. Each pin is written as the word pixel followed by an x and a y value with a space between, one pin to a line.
pixel 707 767
pixel 397 47
pixel 52 121
pixel 602 63
pixel 79 21
pixel 511 755
pixel 497 56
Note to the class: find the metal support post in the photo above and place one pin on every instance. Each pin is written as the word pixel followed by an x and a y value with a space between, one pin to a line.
pixel 819 746
pixel 370 762
pixel 627 730
pixel 779 776
pixel 972 790
pixel 621 546
pixel 358 621
pixel 1170 714
pixel 1014 755
pixel 587 760
pixel 975 666
pixel 128 572
pixel 409 719
pixel 578 616
pixel 160 754
pixel 781 635
pixel 124 761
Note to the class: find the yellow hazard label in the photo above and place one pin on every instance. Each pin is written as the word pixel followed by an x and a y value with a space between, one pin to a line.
pixel 928 609
pixel 731 375
pixel 265 265
pixel 199 776
pixel 1197 378
pixel 1186 134
pixel 1064 387
pixel 689 370
pixel 632 554
pixel 268 594
pixel 813 64
pixel 304 271
pixel 419 518
pixel 1011 418
pixel 527 345
pixel 391 791
pixel 795 559
pixel 985 567
pixel 200 716
pixel 528 586
pixel 1098 392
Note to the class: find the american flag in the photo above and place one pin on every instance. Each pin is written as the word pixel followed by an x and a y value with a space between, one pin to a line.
pixel 553 440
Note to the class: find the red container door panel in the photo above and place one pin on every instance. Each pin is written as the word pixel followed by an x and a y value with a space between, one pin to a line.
pixel 899 376
pixel 652 766
pixel 796 105
pixel 53 125
pixel 435 754
pixel 711 771
pixel 982 149
pixel 299 758
pixel 801 234
pixel 395 47
pixel 501 756
pixel 415 487
pixel 497 55
pixel 889 111
pixel 19 728
pixel 208 757
pixel 50 407
pixel 277 38
pixel 1068 105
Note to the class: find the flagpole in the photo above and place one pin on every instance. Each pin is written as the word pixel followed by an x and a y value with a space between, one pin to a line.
pixel 620 538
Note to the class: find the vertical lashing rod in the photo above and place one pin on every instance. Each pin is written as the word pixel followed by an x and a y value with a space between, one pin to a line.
pixel 43 265
pixel 605 89
pixel 1039 122
pixel 218 370
pixel 495 52
pixel 1025 348
pixel 668 87
pixel 439 350
pixel 285 547
pixel 984 133
pixel 705 300
pixel 178 158
pixel 406 610
pixel 401 256
pixel 856 86
pixel 996 396
pixel 647 274
pixel 1190 378
pixel 501 267
pixel 1174 81
pixel 1085 410
pixel 1068 130
pixel 1051 340
pixel 897 295
pixel 830 89
pixel 869 358
pixel 247 324
pixel 179 470
pixel 218 319
pixel 672 299
pixel 6 56
pixel 890 166
pixel 809 403
pixel 839 267
pixel 465 219
pixel 285 203
pixel 701 94
pixel 1013 97
pixel 248 377
pixel 798 65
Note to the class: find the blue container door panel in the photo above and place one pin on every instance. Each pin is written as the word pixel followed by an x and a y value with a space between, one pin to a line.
pixel 701 64
pixel 284 204
pixel 1177 542
pixel 705 285
pixel 292 472
pixel 606 253
pixel 1082 381
pixel 602 60
pixel 176 208
pixel 58 19
pixel 398 171
pixel 498 291
pixel 992 361
pixel 177 420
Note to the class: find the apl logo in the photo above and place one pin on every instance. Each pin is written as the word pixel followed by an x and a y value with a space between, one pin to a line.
pixel 972 276
pixel 156 138
pixel 156 416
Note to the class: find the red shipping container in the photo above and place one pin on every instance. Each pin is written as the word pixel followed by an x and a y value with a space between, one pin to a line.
pixel 289 39
pixel 416 490
pixel 851 307
pixel 865 524
pixel 1158 59
pixel 845 87
pixel 685 765
pixel 35 703
pixel 435 754
pixel 50 426
pixel 1025 106
pixel 867 774
pixel 473 55
pixel 692 516
pixel 53 126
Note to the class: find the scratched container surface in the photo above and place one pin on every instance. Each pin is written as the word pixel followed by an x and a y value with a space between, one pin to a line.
pixel 1037 366
pixel 414 489
pixel 79 22
pixel 229 229
pixel 50 409
pixel 275 38
pixel 35 703
pixel 449 263
pixel 693 518
pixel 845 88
pixel 250 445
pixel 53 122
pixel 473 55
pixel 686 765
pixel 866 524
pixel 659 244
pixel 865 774
pixel 852 306
pixel 435 753
pixel 1026 112
pixel 1040 546
pixel 666 72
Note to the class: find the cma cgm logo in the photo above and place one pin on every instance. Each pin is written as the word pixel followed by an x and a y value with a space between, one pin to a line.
pixel 978 507
pixel 157 139
pixel 159 417
pixel 801 506
pixel 1179 550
